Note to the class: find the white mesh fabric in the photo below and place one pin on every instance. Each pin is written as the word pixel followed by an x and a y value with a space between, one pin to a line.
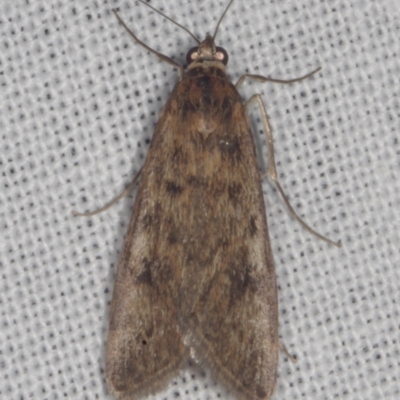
pixel 79 102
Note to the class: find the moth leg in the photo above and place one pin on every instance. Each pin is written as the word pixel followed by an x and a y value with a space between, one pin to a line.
pixel 282 347
pixel 272 173
pixel 261 78
pixel 125 192
pixel 158 54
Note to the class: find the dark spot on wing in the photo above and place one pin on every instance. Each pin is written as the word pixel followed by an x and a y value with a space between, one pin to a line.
pixel 240 278
pixel 155 272
pixel 252 226
pixel 147 221
pixel 173 188
pixel 230 148
pixel 152 219
pixel 145 276
pixel 173 237
pixel 234 192
pixel 227 108
pixel 187 109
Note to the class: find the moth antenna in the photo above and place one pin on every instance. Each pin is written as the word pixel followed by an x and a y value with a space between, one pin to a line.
pixel 219 22
pixel 170 19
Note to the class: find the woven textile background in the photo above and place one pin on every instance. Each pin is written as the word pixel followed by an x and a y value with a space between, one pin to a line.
pixel 79 100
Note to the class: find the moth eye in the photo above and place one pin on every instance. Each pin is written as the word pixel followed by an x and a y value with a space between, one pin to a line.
pixel 191 55
pixel 221 55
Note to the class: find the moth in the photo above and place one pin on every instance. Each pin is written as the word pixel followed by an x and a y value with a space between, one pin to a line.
pixel 196 277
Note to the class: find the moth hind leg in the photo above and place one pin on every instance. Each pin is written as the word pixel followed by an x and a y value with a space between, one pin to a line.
pixel 272 172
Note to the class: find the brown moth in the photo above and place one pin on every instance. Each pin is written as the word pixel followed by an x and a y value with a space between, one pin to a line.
pixel 196 275
pixel 196 278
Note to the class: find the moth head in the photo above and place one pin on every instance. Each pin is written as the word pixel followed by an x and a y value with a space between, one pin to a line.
pixel 207 51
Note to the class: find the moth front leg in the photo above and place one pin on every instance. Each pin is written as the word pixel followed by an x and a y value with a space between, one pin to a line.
pixel 260 78
pixel 124 193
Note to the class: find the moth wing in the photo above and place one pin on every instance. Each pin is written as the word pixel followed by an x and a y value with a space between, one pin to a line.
pixel 228 297
pixel 197 273
pixel 145 348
